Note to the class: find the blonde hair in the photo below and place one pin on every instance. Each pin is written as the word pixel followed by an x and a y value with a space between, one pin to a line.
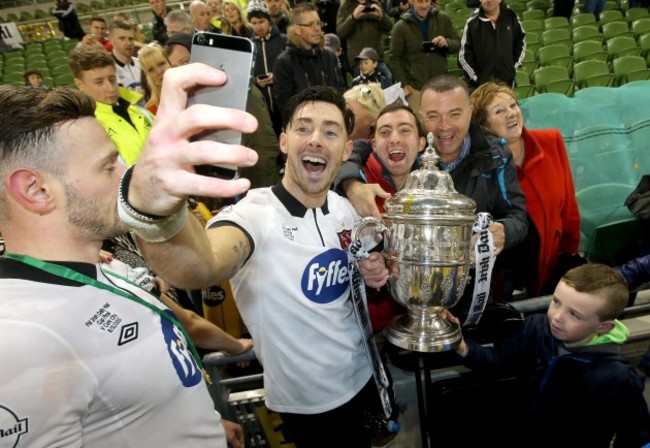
pixel 370 96
pixel 226 27
pixel 150 56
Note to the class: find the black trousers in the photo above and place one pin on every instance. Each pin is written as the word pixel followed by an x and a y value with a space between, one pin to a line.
pixel 343 427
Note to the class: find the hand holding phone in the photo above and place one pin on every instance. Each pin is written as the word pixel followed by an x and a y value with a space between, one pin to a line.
pixel 168 149
pixel 235 56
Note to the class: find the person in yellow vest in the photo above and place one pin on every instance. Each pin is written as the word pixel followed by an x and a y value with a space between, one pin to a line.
pixel 116 108
pixel 216 12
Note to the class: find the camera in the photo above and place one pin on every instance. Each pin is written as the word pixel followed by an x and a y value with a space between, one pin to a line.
pixel 200 39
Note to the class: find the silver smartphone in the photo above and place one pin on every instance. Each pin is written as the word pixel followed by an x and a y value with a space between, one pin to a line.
pixel 236 57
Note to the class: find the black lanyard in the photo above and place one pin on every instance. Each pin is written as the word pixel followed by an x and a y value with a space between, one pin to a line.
pixel 70 274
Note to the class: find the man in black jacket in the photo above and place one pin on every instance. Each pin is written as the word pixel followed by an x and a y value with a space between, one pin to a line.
pixel 305 63
pixel 269 43
pixel 493 46
pixel 159 9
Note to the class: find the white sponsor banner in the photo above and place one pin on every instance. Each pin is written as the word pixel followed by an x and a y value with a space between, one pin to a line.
pixel 10 34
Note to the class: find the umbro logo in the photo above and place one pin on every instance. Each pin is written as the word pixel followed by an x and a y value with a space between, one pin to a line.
pixel 128 333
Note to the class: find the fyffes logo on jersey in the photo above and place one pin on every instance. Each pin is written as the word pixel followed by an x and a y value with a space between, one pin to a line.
pixel 11 427
pixel 184 364
pixel 326 276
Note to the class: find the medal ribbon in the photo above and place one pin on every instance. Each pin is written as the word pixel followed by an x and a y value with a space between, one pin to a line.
pixel 358 293
pixel 484 252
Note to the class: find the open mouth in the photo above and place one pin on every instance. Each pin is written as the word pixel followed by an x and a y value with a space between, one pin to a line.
pixel 513 124
pixel 314 164
pixel 396 155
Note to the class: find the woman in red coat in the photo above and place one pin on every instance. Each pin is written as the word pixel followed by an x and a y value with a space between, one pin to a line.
pixel 545 176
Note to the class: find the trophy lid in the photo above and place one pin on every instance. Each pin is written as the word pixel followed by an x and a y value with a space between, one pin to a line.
pixel 429 192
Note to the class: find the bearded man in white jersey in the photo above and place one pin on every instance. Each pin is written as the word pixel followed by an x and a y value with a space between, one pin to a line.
pixel 90 359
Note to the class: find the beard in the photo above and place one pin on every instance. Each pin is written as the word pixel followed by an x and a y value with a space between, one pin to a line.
pixel 90 217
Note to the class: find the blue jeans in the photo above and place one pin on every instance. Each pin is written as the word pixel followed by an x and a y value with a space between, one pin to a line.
pixel 595 7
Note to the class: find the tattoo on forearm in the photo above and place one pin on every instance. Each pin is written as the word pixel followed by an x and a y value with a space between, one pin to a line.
pixel 242 250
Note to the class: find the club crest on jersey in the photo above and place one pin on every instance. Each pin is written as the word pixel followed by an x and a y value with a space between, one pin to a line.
pixel 326 276
pixel 345 237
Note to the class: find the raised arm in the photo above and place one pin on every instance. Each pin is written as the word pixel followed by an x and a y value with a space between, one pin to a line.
pixel 175 244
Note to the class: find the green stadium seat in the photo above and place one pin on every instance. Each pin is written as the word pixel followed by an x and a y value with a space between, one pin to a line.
pixel 611 15
pixel 533 14
pixel 533 41
pixel 629 69
pixel 38 58
pixel 622 46
pixel 640 27
pixel 40 65
pixel 553 79
pixel 644 45
pixel 615 29
pixel 555 54
pixel 532 25
pixel 632 14
pixel 16 78
pixel 557 22
pixel 588 50
pixel 69 44
pixel 587 32
pixel 530 62
pixel 59 70
pixel 57 61
pixel 51 45
pixel 592 74
pixel 65 80
pixel 557 36
pixel 523 87
pixel 537 4
pixel 581 19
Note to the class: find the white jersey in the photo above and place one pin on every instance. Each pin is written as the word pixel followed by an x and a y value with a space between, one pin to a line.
pixel 293 294
pixel 128 75
pixel 85 367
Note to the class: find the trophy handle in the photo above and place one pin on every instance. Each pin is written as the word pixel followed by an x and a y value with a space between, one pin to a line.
pixel 369 222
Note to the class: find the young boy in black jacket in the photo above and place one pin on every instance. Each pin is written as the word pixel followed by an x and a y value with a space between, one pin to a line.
pixel 571 358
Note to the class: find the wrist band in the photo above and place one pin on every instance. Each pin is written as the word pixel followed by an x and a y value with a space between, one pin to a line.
pixel 153 229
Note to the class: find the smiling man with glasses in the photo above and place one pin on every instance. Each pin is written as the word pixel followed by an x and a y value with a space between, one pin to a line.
pixel 304 63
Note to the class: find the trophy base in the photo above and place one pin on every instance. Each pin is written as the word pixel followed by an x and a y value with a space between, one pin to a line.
pixel 432 334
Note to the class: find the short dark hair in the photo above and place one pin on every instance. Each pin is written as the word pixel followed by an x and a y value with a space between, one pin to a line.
pixel 604 281
pixel 126 25
pixel 399 106
pixel 445 83
pixel 318 94
pixel 97 19
pixel 88 57
pixel 31 118
pixel 30 72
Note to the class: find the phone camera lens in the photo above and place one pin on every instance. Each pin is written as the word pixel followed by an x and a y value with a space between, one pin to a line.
pixel 200 39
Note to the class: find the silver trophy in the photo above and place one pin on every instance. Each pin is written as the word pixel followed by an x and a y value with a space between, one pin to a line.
pixel 427 230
